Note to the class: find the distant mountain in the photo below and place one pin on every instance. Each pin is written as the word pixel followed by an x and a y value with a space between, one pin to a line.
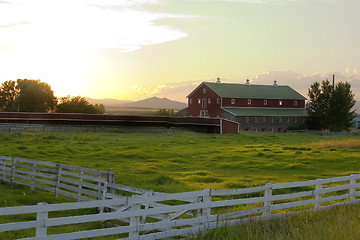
pixel 143 107
pixel 155 102
pixel 108 101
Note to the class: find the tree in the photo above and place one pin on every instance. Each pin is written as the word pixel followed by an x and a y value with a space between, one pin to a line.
pixel 329 107
pixel 165 112
pixel 318 106
pixel 8 93
pixel 341 103
pixel 34 96
pixel 78 105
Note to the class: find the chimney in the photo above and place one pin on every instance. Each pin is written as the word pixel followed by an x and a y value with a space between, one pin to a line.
pixel 218 81
pixel 275 83
pixel 247 82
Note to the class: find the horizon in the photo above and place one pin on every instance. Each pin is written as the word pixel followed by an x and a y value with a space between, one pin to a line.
pixel 132 50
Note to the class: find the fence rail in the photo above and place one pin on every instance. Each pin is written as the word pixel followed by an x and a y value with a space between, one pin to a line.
pixel 153 215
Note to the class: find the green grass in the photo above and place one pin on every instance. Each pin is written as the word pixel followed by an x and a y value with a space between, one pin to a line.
pixel 192 161
pixel 176 162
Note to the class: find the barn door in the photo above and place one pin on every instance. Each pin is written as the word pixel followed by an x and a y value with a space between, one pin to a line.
pixel 203 113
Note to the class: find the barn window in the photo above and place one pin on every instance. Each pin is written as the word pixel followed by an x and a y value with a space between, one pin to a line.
pixel 199 101
pixel 233 101
pixel 249 101
pixel 204 90
pixel 264 119
pixel 280 102
pixel 288 119
pixel 209 101
pixel 295 103
pixel 190 101
pixel 279 119
pixel 218 101
pixel 265 101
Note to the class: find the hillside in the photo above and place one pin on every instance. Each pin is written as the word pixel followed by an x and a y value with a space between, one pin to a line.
pixel 157 103
pixel 143 107
pixel 108 101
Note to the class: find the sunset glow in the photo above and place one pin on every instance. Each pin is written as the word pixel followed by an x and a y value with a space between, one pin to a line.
pixel 135 49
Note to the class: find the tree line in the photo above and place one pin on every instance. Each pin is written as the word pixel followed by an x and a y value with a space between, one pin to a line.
pixel 25 95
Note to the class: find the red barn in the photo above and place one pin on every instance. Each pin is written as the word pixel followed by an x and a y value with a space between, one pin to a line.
pixel 254 107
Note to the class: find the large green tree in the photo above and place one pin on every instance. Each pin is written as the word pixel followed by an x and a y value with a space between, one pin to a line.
pixel 329 107
pixel 8 93
pixel 341 104
pixel 78 105
pixel 34 96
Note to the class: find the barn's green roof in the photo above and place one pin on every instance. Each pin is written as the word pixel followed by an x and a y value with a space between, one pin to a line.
pixel 267 112
pixel 236 90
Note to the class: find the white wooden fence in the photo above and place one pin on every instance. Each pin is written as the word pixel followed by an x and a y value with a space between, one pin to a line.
pixel 160 215
pixel 80 183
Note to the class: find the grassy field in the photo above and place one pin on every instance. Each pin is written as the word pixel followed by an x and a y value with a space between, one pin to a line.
pixel 186 161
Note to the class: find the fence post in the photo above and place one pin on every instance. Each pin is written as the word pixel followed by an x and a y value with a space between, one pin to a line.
pixel 12 171
pixel 101 209
pixel 3 172
pixel 267 203
pixel 147 206
pixel 33 179
pixel 80 185
pixel 352 189
pixel 99 187
pixel 57 183
pixel 318 187
pixel 110 177
pixel 135 221
pixel 41 218
pixel 206 212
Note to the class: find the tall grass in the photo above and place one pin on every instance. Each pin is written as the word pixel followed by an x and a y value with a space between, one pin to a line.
pixel 338 223
pixel 351 143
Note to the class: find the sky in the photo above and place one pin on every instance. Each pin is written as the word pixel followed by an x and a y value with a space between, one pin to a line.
pixel 134 49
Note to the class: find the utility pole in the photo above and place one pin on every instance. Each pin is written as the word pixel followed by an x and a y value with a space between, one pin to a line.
pixel 333 82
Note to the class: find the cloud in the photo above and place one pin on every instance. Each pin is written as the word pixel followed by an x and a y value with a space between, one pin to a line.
pixel 301 82
pixel 174 90
pixel 123 24
pixel 277 2
pixel 14 24
pixel 176 87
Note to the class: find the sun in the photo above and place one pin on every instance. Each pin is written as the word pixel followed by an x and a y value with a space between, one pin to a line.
pixel 62 69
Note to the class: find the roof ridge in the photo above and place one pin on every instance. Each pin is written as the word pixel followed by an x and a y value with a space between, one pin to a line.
pixel 270 85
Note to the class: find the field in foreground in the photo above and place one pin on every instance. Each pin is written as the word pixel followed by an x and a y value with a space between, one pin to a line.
pixel 189 161
pixel 186 161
